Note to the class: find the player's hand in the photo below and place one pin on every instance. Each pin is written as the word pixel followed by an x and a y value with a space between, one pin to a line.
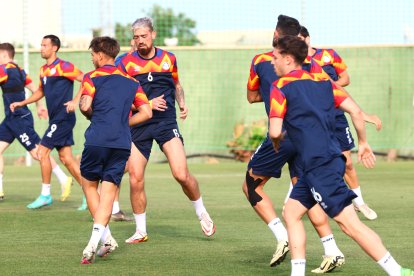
pixel 374 119
pixel 366 156
pixel 15 105
pixel 276 141
pixel 41 112
pixel 183 112
pixel 70 106
pixel 159 103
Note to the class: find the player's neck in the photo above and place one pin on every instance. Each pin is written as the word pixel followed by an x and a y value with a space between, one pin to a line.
pixel 51 59
pixel 311 51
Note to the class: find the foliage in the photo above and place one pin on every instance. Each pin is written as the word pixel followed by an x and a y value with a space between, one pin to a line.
pixel 167 24
pixel 246 138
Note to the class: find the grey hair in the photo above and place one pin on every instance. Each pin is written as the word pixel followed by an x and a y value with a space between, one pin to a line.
pixel 143 22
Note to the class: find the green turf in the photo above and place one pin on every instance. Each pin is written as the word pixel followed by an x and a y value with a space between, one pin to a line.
pixel 50 241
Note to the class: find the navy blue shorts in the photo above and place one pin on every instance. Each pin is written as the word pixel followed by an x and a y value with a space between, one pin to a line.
pixel 343 133
pixel 324 185
pixel 162 132
pixel 20 128
pixel 104 164
pixel 58 135
pixel 266 162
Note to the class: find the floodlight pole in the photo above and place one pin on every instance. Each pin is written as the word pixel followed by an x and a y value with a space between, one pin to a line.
pixel 25 14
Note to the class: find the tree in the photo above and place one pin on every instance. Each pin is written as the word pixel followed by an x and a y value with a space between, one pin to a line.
pixel 167 25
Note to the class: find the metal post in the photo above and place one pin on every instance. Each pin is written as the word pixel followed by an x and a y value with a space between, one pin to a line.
pixel 28 159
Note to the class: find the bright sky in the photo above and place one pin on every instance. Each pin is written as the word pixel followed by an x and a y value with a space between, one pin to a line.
pixel 330 22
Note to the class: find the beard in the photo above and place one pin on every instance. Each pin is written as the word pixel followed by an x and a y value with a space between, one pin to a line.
pixel 144 51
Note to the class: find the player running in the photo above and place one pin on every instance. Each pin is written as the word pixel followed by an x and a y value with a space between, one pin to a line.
pixel 266 163
pixel 306 104
pixel 157 72
pixel 56 85
pixel 335 67
pixel 107 96
pixel 19 125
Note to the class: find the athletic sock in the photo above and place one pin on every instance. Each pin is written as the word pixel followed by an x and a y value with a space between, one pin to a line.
pixel 61 176
pixel 330 247
pixel 390 265
pixel 358 200
pixel 141 222
pixel 97 232
pixel 115 207
pixel 276 226
pixel 45 189
pixel 199 207
pixel 298 267
pixel 106 234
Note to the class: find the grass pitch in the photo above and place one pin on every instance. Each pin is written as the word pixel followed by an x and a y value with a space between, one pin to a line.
pixel 50 241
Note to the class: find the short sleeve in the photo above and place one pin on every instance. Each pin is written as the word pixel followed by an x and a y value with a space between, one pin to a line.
pixel 3 74
pixel 253 83
pixel 140 97
pixel 70 71
pixel 338 63
pixel 277 102
pixel 28 79
pixel 175 70
pixel 87 86
pixel 318 71
pixel 339 95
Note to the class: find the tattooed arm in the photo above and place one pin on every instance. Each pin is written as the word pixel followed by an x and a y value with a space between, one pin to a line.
pixel 85 106
pixel 179 97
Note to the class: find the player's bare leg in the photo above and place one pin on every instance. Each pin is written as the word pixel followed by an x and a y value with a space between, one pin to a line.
pixel 253 189
pixel 67 159
pixel 174 151
pixel 100 207
pixel 351 179
pixel 117 213
pixel 65 181
pixel 45 199
pixel 333 257
pixel 3 147
pixel 136 168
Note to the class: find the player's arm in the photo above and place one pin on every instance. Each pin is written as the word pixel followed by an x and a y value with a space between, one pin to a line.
pixel 179 97
pixel 365 154
pixel 276 115
pixel 347 104
pixel 85 106
pixel 369 118
pixel 36 96
pixel 343 79
pixel 41 110
pixel 254 96
pixel 275 131
pixel 143 107
pixel 253 84
pixel 340 69
pixel 71 105
pixel 144 113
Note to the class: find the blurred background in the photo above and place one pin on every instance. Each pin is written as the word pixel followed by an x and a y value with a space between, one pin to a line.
pixel 215 41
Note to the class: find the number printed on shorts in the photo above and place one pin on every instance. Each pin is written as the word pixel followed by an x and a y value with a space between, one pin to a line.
pixel 52 129
pixel 25 139
pixel 176 133
pixel 317 196
pixel 348 135
pixel 150 77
